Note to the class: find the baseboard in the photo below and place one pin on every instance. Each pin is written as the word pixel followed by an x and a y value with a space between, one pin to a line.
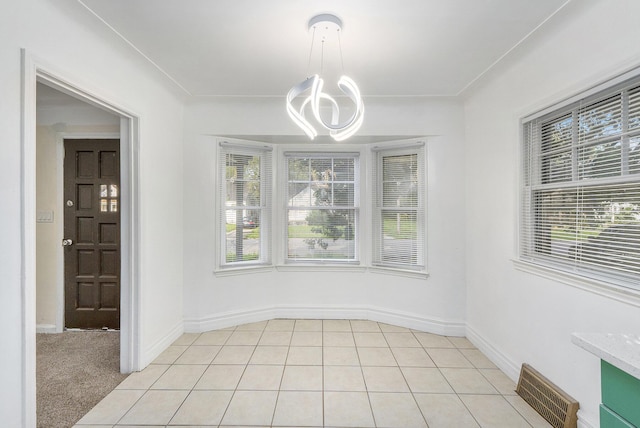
pixel 584 423
pixel 232 318
pixel 46 328
pixel 438 326
pixel 503 361
pixel 510 367
pixel 152 352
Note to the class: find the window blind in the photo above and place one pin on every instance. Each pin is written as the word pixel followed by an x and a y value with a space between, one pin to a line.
pixel 245 204
pixel 580 207
pixel 399 208
pixel 322 207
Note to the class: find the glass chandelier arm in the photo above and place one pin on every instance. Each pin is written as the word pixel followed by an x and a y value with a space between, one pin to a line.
pixel 298 116
pixel 349 88
pixel 316 96
pixel 350 130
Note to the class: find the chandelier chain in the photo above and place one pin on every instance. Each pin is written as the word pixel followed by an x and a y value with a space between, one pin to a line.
pixel 313 38
pixel 322 58
pixel 340 46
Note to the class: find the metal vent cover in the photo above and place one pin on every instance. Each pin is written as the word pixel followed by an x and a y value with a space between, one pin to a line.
pixel 552 403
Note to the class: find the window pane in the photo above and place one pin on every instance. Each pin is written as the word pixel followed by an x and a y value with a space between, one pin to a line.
pixel 242 180
pixel 321 234
pixel 321 170
pixel 596 227
pixel 634 108
pixel 244 217
pixel 343 194
pixel 321 194
pixel 242 237
pixel 321 215
pixel 343 169
pixel 399 231
pixel 400 181
pixel 298 169
pixel 634 155
pixel 400 237
pixel 600 160
pixel 300 195
pixel 556 168
pixel 556 134
pixel 601 119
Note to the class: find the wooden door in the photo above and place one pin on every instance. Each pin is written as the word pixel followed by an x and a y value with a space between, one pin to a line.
pixel 92 233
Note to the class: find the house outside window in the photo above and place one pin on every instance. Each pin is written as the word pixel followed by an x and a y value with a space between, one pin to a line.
pixel 245 205
pixel 580 195
pixel 322 207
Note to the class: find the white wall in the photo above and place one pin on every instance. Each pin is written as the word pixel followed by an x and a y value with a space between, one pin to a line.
pixel 67 41
pixel 516 316
pixel 436 303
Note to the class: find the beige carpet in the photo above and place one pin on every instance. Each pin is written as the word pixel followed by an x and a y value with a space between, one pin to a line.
pixel 75 370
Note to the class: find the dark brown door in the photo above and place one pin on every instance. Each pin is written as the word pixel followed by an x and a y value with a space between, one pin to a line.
pixel 92 233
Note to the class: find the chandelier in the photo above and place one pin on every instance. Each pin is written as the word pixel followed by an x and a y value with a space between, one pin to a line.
pixel 310 95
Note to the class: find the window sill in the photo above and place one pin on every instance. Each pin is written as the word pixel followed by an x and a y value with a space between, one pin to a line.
pixel 309 267
pixel 312 267
pixel 231 271
pixel 601 288
pixel 399 272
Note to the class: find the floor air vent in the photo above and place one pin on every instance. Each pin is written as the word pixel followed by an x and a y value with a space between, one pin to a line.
pixel 553 404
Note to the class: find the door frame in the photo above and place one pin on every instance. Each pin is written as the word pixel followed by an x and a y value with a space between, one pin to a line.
pixel 35 70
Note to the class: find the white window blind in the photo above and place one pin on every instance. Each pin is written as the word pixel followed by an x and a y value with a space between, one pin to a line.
pixel 245 204
pixel 580 208
pixel 322 207
pixel 399 208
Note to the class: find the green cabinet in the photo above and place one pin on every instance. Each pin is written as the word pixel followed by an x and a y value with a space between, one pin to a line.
pixel 620 398
pixel 609 419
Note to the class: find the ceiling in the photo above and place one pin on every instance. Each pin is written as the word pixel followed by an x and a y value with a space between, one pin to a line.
pixel 258 48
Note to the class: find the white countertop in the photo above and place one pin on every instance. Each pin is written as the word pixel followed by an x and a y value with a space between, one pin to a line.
pixel 619 350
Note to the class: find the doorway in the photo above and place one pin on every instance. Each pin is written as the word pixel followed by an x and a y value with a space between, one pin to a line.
pixel 33 73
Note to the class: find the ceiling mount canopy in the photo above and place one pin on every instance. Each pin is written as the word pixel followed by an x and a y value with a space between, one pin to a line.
pixel 326 28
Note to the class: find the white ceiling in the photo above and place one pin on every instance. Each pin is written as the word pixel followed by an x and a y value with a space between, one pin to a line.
pixel 261 48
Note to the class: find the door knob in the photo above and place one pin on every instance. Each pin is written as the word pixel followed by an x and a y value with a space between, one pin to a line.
pixel 66 242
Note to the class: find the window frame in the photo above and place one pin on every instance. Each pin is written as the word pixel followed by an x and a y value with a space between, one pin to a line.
pixel 265 153
pixel 379 152
pixel 533 176
pixel 287 263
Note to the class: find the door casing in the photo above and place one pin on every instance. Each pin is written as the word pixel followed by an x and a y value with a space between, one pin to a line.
pixel 35 70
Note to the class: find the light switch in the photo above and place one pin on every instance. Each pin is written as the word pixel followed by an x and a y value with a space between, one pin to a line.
pixel 44 217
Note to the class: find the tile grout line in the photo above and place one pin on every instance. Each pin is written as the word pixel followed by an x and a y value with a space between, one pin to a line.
pixel 194 385
pixel 364 379
pixel 505 399
pixel 459 396
pixel 275 407
pixel 199 378
pixel 241 374
pixel 413 395
pixel 324 421
pixel 150 386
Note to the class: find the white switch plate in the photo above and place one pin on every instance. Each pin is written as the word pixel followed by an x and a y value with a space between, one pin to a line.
pixel 44 217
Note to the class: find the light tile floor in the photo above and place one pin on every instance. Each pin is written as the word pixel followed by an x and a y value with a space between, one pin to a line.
pixel 316 373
